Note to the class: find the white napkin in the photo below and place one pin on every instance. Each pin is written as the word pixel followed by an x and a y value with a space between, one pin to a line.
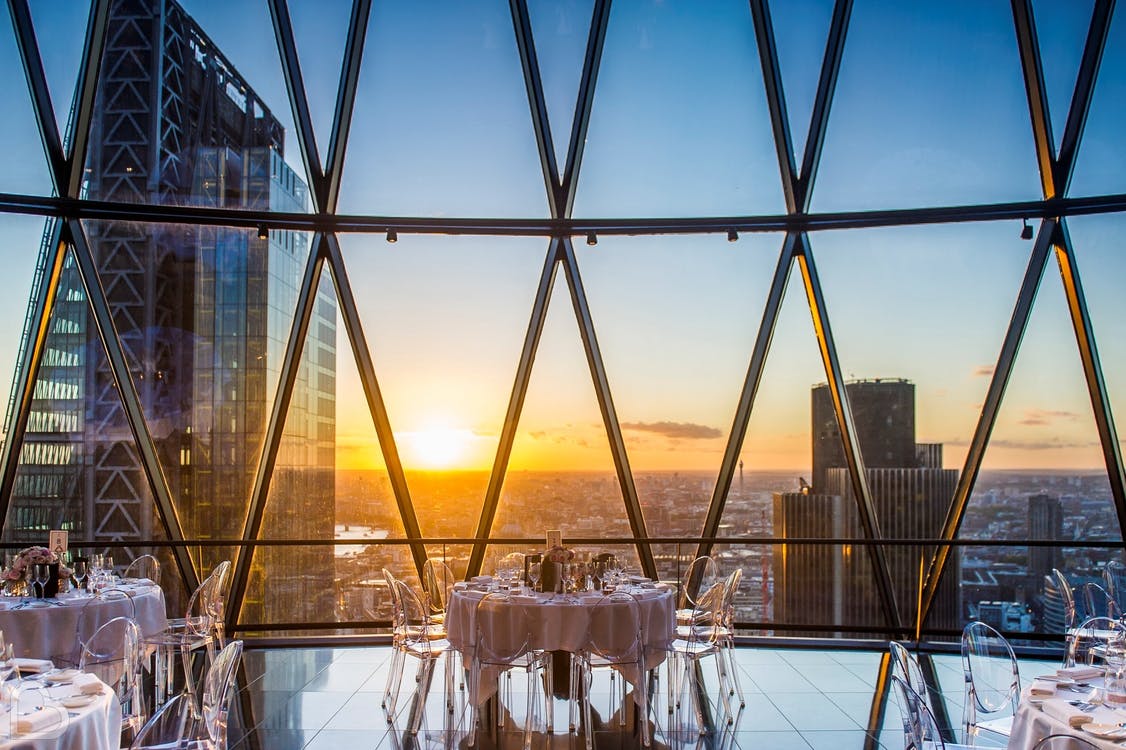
pixel 87 684
pixel 1066 713
pixel 37 720
pixel 24 664
pixel 1042 688
pixel 1079 673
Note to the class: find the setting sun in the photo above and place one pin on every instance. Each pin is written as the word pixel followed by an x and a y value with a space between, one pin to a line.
pixel 436 447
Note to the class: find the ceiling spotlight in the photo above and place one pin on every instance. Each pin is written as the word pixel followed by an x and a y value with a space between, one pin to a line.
pixel 392 236
pixel 732 235
pixel 263 232
pixel 1026 232
pixel 592 239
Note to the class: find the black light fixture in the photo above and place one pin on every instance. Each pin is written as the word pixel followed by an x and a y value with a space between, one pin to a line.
pixel 263 232
pixel 732 235
pixel 392 236
pixel 591 239
pixel 1026 231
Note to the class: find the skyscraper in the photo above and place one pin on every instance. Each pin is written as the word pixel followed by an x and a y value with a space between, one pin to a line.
pixel 203 313
pixel 834 585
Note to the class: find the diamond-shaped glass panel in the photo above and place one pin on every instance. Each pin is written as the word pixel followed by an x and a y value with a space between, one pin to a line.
pixel 26 169
pixel 1102 154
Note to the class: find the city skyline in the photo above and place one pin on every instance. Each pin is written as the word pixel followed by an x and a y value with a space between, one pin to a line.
pixel 676 317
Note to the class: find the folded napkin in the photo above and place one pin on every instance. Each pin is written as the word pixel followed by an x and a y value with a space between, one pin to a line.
pixel 1066 713
pixel 24 664
pixel 1042 688
pixel 87 684
pixel 37 720
pixel 1079 673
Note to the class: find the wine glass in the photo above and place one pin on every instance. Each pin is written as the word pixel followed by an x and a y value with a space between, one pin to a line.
pixel 534 571
pixel 79 575
pixel 42 574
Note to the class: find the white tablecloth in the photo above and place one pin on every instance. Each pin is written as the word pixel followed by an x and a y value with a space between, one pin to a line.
pixel 96 726
pixel 562 624
pixel 46 630
pixel 1031 723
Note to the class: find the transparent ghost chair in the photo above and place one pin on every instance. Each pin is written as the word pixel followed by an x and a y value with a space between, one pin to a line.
pixel 1064 742
pixel 701 574
pixel 693 644
pixel 992 682
pixel 1114 575
pixel 419 641
pixel 1070 614
pixel 920 730
pixel 1086 643
pixel 437 581
pixel 113 654
pixel 145 567
pixel 179 725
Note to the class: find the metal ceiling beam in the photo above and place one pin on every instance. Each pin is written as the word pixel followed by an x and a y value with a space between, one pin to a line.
pixel 1092 371
pixel 299 102
pixel 596 40
pixel 345 102
pixel 85 95
pixel 40 93
pixel 1037 95
pixel 28 372
pixel 989 410
pixel 533 83
pixel 102 317
pixel 866 508
pixel 1084 92
pixel 606 406
pixel 346 301
pixel 515 405
pixel 275 427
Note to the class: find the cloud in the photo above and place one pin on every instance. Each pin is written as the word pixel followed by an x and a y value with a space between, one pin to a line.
pixel 984 371
pixel 675 430
pixel 1041 445
pixel 1040 417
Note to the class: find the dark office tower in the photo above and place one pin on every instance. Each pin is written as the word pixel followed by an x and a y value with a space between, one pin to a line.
pixel 1045 523
pixel 911 494
pixel 883 411
pixel 203 314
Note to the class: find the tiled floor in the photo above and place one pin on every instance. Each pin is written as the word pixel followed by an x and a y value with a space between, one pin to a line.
pixel 330 698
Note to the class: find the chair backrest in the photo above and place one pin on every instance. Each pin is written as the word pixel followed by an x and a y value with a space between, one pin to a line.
pixel 615 629
pixel 990 667
pixel 1064 588
pixel 95 612
pixel 1087 641
pixel 919 727
pixel 1096 601
pixel 730 589
pixel 113 654
pixel 908 666
pixel 700 575
pixel 219 691
pixel 221 573
pixel 145 566
pixel 414 618
pixel 1114 574
pixel 501 633
pixel 707 614
pixel 1064 742
pixel 201 614
pixel 438 581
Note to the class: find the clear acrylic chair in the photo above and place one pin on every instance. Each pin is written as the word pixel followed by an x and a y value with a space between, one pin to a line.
pixel 1086 643
pixel 1114 574
pixel 113 654
pixel 1096 600
pixel 693 644
pixel 94 614
pixel 614 642
pixel 908 667
pixel 179 725
pixel 701 574
pixel 1064 742
pixel 1070 614
pixel 420 640
pixel 501 642
pixel 437 581
pixel 920 730
pixel 992 682
pixel 143 567
pixel 726 635
pixel 183 637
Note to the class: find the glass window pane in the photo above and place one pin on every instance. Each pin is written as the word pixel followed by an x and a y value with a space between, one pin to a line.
pixel 220 138
pixel 801 29
pixel 60 30
pixel 914 124
pixel 1099 165
pixel 25 168
pixel 1061 29
pixel 320 31
pixel 679 125
pixel 442 126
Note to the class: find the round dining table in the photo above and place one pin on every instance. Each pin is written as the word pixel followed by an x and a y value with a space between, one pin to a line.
pixel 48 628
pixel 560 622
pixel 53 716
pixel 1046 709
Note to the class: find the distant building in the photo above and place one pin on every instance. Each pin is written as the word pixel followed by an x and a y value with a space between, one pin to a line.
pixel 1045 523
pixel 911 493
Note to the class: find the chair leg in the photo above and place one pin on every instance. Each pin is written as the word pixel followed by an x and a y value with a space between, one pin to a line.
pixel 421 691
pixel 730 649
pixel 395 684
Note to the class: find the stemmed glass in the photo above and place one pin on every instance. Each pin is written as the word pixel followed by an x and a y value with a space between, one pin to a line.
pixel 534 571
pixel 42 574
pixel 79 575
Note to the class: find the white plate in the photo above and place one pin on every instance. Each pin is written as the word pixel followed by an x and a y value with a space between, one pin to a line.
pixel 61 676
pixel 78 701
pixel 1104 731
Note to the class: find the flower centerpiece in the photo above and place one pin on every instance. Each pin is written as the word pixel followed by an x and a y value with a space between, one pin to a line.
pixel 15 578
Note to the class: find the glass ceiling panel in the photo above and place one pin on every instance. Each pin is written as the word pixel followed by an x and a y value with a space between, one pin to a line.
pixel 561 30
pixel 930 110
pixel 1061 29
pixel 442 125
pixel 1102 154
pixel 801 28
pixel 944 294
pixel 25 165
pixel 60 30
pixel 445 318
pixel 679 125
pixel 320 31
pixel 22 238
pixel 676 319
pixel 223 112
